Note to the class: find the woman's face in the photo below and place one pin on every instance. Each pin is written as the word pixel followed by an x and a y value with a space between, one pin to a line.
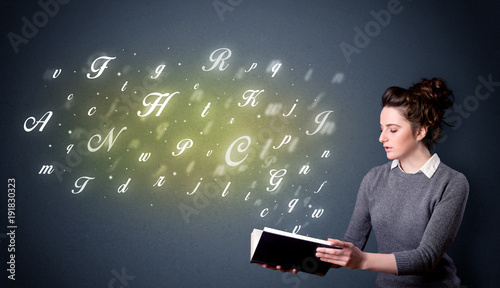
pixel 397 136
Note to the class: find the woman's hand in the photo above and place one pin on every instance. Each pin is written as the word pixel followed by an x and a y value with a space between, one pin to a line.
pixel 348 256
pixel 294 271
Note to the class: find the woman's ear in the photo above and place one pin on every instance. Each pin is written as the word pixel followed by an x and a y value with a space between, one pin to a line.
pixel 421 132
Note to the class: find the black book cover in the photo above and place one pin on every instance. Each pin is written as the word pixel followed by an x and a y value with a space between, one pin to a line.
pixel 290 251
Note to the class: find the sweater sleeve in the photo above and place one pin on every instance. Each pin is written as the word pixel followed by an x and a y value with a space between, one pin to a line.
pixel 440 231
pixel 360 225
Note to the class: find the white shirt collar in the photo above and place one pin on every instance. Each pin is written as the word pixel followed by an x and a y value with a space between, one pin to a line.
pixel 428 169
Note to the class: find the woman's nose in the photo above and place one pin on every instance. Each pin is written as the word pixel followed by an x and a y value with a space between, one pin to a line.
pixel 382 137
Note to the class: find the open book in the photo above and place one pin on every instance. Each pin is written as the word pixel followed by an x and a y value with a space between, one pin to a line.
pixel 290 251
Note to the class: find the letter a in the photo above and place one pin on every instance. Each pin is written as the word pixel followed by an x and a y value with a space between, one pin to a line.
pixel 45 118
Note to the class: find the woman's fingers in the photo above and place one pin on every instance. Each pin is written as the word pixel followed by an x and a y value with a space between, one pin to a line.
pixel 278 267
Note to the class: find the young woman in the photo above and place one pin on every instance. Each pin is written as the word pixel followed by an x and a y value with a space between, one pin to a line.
pixel 414 204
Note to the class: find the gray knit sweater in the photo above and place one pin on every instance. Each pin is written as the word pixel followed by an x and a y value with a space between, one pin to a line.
pixel 414 217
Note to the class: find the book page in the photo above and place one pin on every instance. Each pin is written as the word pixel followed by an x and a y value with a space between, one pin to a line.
pixel 296 236
pixel 254 240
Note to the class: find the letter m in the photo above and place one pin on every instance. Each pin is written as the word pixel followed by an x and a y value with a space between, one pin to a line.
pixel 46 169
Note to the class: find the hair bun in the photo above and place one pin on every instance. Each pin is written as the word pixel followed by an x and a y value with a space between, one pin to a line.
pixel 433 98
pixel 433 92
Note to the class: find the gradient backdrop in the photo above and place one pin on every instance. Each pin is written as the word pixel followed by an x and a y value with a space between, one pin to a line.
pixel 144 140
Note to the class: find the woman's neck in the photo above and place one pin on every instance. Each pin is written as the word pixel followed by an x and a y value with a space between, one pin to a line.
pixel 413 162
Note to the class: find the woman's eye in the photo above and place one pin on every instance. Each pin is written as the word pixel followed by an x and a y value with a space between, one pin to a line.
pixel 394 131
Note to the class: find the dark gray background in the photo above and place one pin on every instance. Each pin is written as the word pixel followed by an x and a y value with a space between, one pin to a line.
pixel 68 241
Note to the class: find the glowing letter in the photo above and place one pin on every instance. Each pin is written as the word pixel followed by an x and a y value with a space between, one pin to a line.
pixel 56 73
pixel 158 71
pixel 317 213
pixel 241 148
pixel 275 174
pixel 326 154
pixel 86 180
pixel 254 65
pixel 157 103
pixel 324 182
pixel 111 141
pixel 320 121
pixel 144 157
pixel 183 145
pixel 293 107
pixel 264 212
pixel 305 169
pixel 296 229
pixel 68 149
pixel 205 111
pixel 250 97
pixel 285 140
pixel 275 68
pixel 45 118
pixel 292 203
pixel 124 187
pixel 160 181
pixel 224 54
pixel 224 193
pixel 92 111
pixel 100 69
pixel 46 169
pixel 195 188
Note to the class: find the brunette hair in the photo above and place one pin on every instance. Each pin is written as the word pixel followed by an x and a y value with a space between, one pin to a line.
pixel 423 104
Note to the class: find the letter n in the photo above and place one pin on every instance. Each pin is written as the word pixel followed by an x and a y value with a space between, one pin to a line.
pixel 111 141
pixel 305 169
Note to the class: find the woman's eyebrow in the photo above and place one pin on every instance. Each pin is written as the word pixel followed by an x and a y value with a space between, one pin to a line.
pixel 391 124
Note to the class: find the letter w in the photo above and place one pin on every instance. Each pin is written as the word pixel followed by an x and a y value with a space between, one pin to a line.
pixel 144 157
